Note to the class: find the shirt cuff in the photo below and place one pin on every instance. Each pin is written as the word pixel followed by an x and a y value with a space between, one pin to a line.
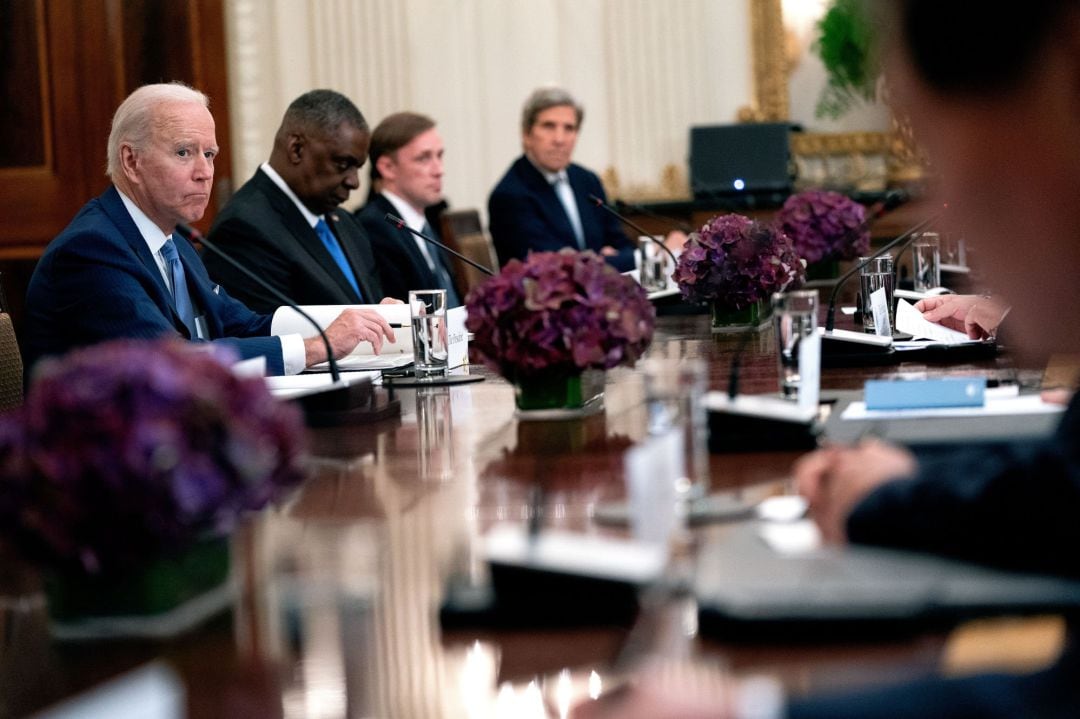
pixel 293 354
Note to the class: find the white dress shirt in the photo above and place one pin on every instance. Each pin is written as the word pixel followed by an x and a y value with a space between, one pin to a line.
pixel 292 346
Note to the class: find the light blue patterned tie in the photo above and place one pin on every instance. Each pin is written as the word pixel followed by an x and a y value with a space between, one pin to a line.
pixel 565 193
pixel 181 297
pixel 334 248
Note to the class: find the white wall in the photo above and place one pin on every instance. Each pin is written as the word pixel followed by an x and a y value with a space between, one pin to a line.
pixel 646 70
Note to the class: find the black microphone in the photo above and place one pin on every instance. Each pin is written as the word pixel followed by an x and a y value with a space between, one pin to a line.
pixel 907 236
pixel 606 207
pixel 679 225
pixel 194 234
pixel 400 224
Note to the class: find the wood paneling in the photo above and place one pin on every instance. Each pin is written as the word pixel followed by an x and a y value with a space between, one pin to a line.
pixel 67 64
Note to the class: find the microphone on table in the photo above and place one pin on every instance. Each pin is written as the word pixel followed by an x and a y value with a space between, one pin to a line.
pixel 195 235
pixel 607 208
pixel 756 423
pixel 400 224
pixel 677 224
pixel 906 236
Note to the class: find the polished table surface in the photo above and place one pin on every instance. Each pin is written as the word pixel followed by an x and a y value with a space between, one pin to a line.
pixel 339 588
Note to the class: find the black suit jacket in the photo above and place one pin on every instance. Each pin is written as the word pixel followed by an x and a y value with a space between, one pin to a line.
pixel 262 228
pixel 526 214
pixel 401 265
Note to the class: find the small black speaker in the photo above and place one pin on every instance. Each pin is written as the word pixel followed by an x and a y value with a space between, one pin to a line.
pixel 747 159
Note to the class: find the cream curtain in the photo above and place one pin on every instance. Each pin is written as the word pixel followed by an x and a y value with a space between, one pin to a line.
pixel 646 70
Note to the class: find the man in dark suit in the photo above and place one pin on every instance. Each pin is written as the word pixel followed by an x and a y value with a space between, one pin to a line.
pixel 541 203
pixel 284 223
pixel 118 270
pixel 407 168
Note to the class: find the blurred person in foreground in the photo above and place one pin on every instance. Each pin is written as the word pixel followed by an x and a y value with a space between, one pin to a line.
pixel 994 96
pixel 122 268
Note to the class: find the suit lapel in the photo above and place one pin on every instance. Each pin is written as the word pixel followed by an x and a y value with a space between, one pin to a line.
pixel 343 232
pixel 114 208
pixel 549 202
pixel 408 241
pixel 309 240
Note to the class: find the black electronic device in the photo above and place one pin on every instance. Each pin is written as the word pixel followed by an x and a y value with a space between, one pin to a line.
pixel 745 159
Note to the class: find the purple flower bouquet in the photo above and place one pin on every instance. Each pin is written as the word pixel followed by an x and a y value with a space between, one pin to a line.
pixel 735 262
pixel 824 226
pixel 128 451
pixel 558 313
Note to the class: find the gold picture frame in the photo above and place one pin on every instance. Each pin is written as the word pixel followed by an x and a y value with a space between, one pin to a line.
pixel 859 160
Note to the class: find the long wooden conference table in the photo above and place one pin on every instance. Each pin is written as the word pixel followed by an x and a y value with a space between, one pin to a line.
pixel 337 612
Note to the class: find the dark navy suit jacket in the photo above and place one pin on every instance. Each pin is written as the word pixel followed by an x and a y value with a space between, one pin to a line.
pixel 401 266
pixel 262 228
pixel 1014 506
pixel 526 214
pixel 97 280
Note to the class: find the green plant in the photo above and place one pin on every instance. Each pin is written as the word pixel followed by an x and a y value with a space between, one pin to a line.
pixel 845 45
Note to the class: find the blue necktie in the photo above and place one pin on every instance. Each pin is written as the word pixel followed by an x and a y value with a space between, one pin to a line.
pixel 334 248
pixel 181 297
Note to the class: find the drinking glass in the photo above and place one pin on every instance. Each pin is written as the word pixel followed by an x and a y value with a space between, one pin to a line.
pixel 795 319
pixel 926 261
pixel 876 274
pixel 673 392
pixel 428 310
pixel 652 264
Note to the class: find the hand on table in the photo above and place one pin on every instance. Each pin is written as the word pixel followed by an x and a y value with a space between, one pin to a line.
pixel 974 315
pixel 351 327
pixel 835 479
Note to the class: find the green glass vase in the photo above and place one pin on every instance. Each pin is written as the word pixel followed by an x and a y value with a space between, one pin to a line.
pixel 729 319
pixel 558 390
pixel 161 585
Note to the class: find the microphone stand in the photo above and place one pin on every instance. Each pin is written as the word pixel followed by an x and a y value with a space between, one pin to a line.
pixel 400 224
pixel 830 317
pixel 677 224
pixel 195 234
pixel 607 208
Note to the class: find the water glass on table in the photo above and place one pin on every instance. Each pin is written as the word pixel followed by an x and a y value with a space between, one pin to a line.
pixel 429 332
pixel 878 273
pixel 926 261
pixel 652 264
pixel 673 392
pixel 795 319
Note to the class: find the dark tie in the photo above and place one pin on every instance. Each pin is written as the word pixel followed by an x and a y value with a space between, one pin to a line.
pixel 438 258
pixel 181 297
pixel 334 248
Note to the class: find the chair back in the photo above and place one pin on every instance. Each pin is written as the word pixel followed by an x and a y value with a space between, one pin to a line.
pixel 462 231
pixel 11 366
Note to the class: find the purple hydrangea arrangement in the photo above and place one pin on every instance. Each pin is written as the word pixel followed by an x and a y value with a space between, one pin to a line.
pixel 129 450
pixel 734 261
pixel 824 225
pixel 558 313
